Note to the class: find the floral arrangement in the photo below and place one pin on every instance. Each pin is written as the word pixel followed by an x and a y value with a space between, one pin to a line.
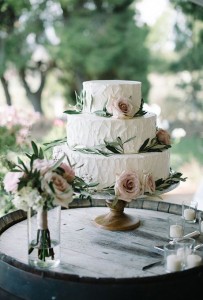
pixel 40 184
pixel 130 185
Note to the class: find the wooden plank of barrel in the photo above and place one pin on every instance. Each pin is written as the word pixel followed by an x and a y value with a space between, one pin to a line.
pixel 97 263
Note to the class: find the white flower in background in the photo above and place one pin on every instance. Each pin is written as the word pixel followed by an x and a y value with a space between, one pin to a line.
pixel 27 197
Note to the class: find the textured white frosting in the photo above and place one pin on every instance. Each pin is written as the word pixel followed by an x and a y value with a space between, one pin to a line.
pixel 89 130
pixel 98 92
pixel 102 169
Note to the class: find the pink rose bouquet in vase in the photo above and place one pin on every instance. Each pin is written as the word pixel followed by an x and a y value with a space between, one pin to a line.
pixel 40 187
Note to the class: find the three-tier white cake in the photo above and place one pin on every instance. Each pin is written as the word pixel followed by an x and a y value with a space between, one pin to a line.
pixel 109 134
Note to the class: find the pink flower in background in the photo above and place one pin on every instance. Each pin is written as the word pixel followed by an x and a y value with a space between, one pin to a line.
pixel 120 108
pixel 163 136
pixel 18 122
pixel 127 186
pixel 11 181
pixel 69 173
pixel 148 184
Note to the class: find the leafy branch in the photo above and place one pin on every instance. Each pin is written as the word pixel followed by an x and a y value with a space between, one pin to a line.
pixel 153 146
pixel 80 102
pixel 115 147
pixel 174 177
pixel 141 111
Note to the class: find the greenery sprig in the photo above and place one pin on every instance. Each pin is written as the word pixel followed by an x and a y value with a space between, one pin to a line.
pixel 174 177
pixel 103 112
pixel 115 147
pixel 141 111
pixel 80 102
pixel 153 145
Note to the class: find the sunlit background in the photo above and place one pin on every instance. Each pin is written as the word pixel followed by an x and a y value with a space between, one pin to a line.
pixel 48 48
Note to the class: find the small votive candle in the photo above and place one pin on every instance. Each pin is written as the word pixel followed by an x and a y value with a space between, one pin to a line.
pixel 189 214
pixel 193 260
pixel 201 226
pixel 173 263
pixel 176 231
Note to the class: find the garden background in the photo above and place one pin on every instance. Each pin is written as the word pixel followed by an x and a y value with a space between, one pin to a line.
pixel 49 47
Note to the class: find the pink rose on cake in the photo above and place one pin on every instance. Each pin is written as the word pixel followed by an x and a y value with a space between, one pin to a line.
pixel 120 108
pixel 127 186
pixel 148 184
pixel 163 136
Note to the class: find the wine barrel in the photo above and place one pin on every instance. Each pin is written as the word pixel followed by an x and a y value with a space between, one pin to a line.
pixel 97 263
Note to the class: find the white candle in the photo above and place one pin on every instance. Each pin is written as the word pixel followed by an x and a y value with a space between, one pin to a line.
pixel 173 263
pixel 189 214
pixel 193 260
pixel 201 226
pixel 176 231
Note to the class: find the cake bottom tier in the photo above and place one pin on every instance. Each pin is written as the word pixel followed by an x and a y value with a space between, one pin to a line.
pixel 102 169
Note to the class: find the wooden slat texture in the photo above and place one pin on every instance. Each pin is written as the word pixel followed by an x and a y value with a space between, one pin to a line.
pixel 93 256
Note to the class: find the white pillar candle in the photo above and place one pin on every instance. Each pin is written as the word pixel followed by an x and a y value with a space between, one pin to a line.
pixel 201 226
pixel 189 214
pixel 173 263
pixel 176 231
pixel 193 260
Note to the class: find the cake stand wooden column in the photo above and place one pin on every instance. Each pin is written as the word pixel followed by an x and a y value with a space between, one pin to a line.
pixel 116 219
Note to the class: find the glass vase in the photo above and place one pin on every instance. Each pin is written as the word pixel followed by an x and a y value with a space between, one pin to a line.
pixel 44 237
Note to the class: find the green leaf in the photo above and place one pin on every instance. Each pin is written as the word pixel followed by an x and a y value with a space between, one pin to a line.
pixel 34 147
pixel 100 113
pixel 56 142
pixel 41 154
pixel 22 163
pixel 72 112
pixel 128 140
pixel 113 149
pixel 144 145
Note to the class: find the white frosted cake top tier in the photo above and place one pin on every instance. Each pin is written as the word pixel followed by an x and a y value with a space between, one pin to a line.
pixel 100 92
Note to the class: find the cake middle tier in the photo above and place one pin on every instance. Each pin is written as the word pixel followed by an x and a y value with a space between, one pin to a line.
pixel 89 130
pixel 102 169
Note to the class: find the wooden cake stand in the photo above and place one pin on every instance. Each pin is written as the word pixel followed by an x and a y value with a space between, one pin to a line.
pixel 116 219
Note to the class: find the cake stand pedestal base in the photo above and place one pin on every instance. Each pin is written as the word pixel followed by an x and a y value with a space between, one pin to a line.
pixel 116 219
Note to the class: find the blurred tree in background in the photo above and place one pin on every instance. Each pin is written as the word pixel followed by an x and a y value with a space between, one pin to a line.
pixel 82 40
pixel 100 40
pixel 22 30
pixel 189 45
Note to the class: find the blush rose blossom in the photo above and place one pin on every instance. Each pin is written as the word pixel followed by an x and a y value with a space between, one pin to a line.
pixel 120 108
pixel 163 136
pixel 43 165
pixel 11 181
pixel 69 173
pixel 127 186
pixel 63 192
pixel 148 184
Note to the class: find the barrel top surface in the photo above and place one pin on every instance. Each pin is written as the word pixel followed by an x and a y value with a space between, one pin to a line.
pixel 91 252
